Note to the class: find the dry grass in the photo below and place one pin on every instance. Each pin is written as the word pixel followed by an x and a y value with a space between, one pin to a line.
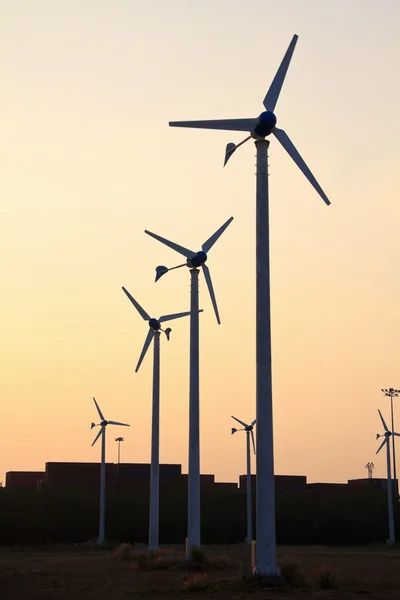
pixel 122 573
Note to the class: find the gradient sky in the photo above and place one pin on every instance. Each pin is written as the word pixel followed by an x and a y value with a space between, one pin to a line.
pixel 87 162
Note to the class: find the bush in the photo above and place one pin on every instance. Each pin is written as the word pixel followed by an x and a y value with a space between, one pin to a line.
pixel 327 579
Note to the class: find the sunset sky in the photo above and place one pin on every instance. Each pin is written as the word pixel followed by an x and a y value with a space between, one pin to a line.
pixel 87 162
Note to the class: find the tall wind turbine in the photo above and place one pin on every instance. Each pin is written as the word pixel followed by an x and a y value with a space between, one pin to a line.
pixel 194 260
pixel 259 128
pixel 102 432
pixel 154 334
pixel 387 435
pixel 249 432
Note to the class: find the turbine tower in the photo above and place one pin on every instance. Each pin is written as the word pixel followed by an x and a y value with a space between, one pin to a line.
pixel 392 393
pixel 154 334
pixel 102 432
pixel 387 435
pixel 194 260
pixel 249 432
pixel 259 128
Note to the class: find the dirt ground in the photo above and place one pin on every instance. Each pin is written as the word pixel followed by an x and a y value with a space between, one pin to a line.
pixel 78 573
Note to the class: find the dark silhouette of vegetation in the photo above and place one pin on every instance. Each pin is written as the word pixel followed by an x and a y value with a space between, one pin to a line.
pixel 57 515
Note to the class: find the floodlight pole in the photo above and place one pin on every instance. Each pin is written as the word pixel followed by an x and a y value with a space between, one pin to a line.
pixel 100 539
pixel 390 496
pixel 155 450
pixel 265 492
pixel 249 511
pixel 193 536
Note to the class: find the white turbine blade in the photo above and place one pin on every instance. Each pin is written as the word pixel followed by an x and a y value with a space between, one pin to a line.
pixel 136 304
pixel 272 95
pixel 98 435
pixel 253 422
pixel 98 410
pixel 211 240
pixel 252 439
pixel 383 421
pixel 175 316
pixel 117 423
pixel 146 345
pixel 181 249
pixel 223 124
pixel 385 441
pixel 284 139
pixel 207 277
pixel 239 421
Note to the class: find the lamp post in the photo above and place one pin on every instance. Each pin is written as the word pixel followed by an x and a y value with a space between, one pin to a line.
pixel 392 393
pixel 119 440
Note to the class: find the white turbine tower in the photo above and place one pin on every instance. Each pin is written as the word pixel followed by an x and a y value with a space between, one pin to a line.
pixel 103 424
pixel 259 128
pixel 249 432
pixel 387 435
pixel 154 334
pixel 194 260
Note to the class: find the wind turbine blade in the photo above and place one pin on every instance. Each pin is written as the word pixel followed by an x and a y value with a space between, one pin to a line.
pixel 207 277
pixel 383 421
pixel 117 423
pixel 394 433
pixel 175 316
pixel 98 410
pixel 253 422
pixel 272 95
pixel 385 441
pixel 181 249
pixel 211 240
pixel 284 139
pixel 252 439
pixel 239 421
pixel 223 124
pixel 98 435
pixel 146 345
pixel 140 310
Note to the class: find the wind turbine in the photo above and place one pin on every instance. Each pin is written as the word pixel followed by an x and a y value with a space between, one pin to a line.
pixel 194 260
pixel 387 435
pixel 102 432
pixel 249 432
pixel 259 128
pixel 154 334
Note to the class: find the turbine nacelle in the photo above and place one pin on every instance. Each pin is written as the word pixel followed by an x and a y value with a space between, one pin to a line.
pixel 155 324
pixel 197 260
pixel 265 124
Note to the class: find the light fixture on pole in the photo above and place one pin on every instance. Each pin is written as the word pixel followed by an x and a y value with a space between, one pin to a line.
pixel 392 393
pixel 259 128
pixel 249 432
pixel 194 260
pixel 119 440
pixel 154 333
pixel 387 435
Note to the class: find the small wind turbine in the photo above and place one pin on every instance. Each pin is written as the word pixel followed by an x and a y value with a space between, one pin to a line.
pixel 194 260
pixel 154 334
pixel 249 432
pixel 387 435
pixel 102 432
pixel 259 128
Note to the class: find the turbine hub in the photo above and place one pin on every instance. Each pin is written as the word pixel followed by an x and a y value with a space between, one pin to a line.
pixel 154 324
pixel 249 428
pixel 265 125
pixel 197 260
pixel 104 423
